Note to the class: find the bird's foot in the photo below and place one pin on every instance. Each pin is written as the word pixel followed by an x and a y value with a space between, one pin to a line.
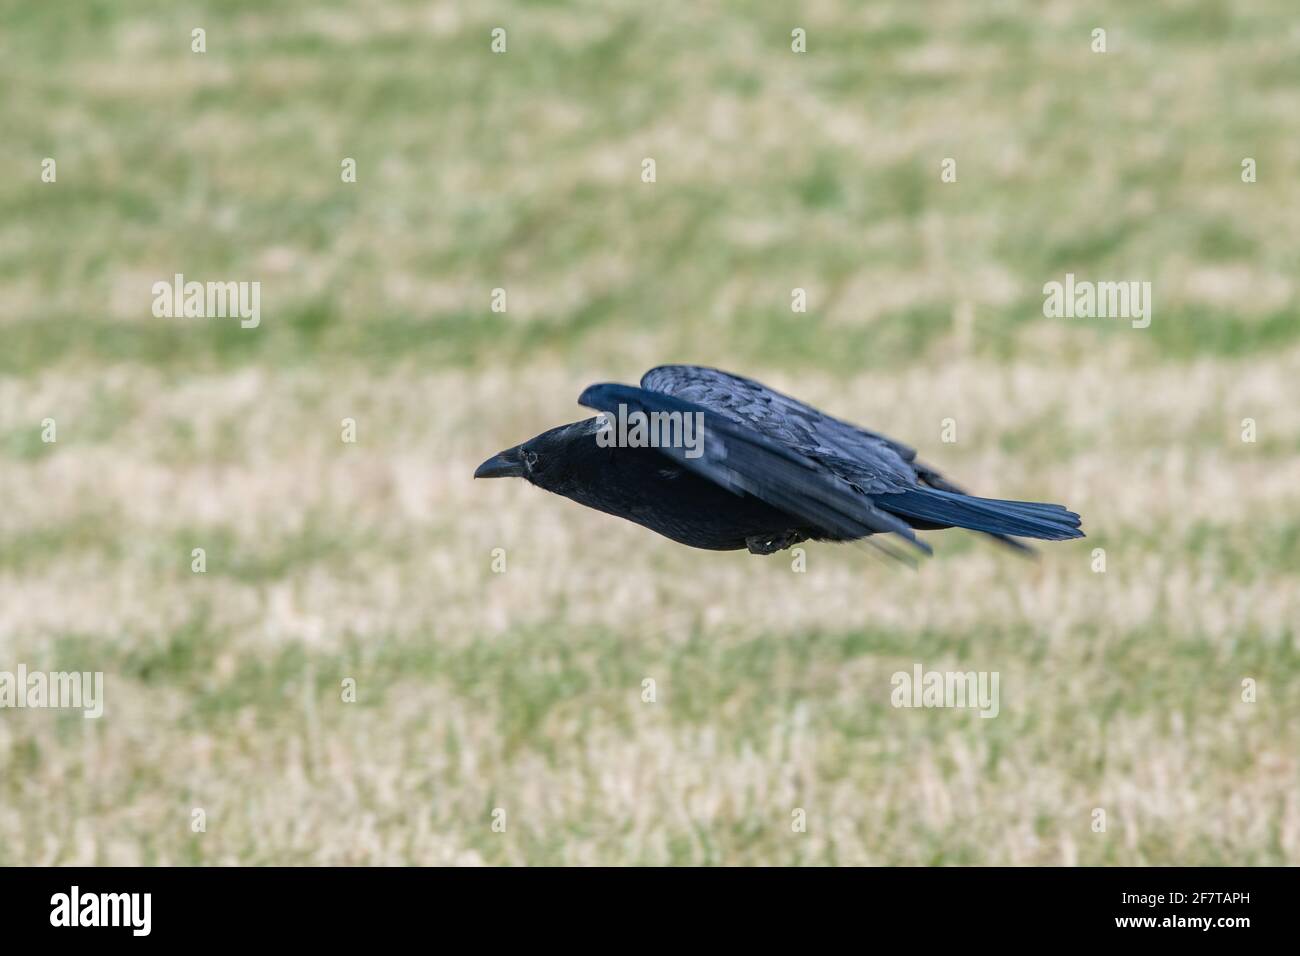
pixel 771 544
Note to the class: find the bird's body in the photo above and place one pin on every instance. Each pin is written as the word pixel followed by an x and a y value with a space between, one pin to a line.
pixel 639 484
pixel 766 472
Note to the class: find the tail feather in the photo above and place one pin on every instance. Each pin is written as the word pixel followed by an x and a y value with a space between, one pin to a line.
pixel 1024 519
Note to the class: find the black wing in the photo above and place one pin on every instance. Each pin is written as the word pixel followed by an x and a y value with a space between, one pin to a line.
pixel 878 466
pixel 744 460
pixel 790 421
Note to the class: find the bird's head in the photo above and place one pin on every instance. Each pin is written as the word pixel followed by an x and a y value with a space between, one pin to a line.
pixel 550 460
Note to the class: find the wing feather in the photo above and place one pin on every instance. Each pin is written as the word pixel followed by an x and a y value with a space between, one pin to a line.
pixel 872 462
pixel 744 460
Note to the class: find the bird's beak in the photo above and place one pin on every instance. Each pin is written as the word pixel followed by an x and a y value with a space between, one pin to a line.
pixel 506 464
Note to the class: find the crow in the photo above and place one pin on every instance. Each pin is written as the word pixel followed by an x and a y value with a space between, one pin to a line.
pixel 721 462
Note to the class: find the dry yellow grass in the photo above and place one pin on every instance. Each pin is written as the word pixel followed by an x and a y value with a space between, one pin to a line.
pixel 522 690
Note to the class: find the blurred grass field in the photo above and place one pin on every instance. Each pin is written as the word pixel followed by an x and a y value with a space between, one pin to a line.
pixel 522 691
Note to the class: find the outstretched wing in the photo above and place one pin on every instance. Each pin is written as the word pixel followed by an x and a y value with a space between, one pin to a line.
pixel 748 460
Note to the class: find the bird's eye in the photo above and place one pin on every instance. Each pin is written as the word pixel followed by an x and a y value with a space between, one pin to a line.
pixel 530 459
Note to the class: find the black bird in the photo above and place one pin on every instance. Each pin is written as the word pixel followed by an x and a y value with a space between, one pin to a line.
pixel 759 470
